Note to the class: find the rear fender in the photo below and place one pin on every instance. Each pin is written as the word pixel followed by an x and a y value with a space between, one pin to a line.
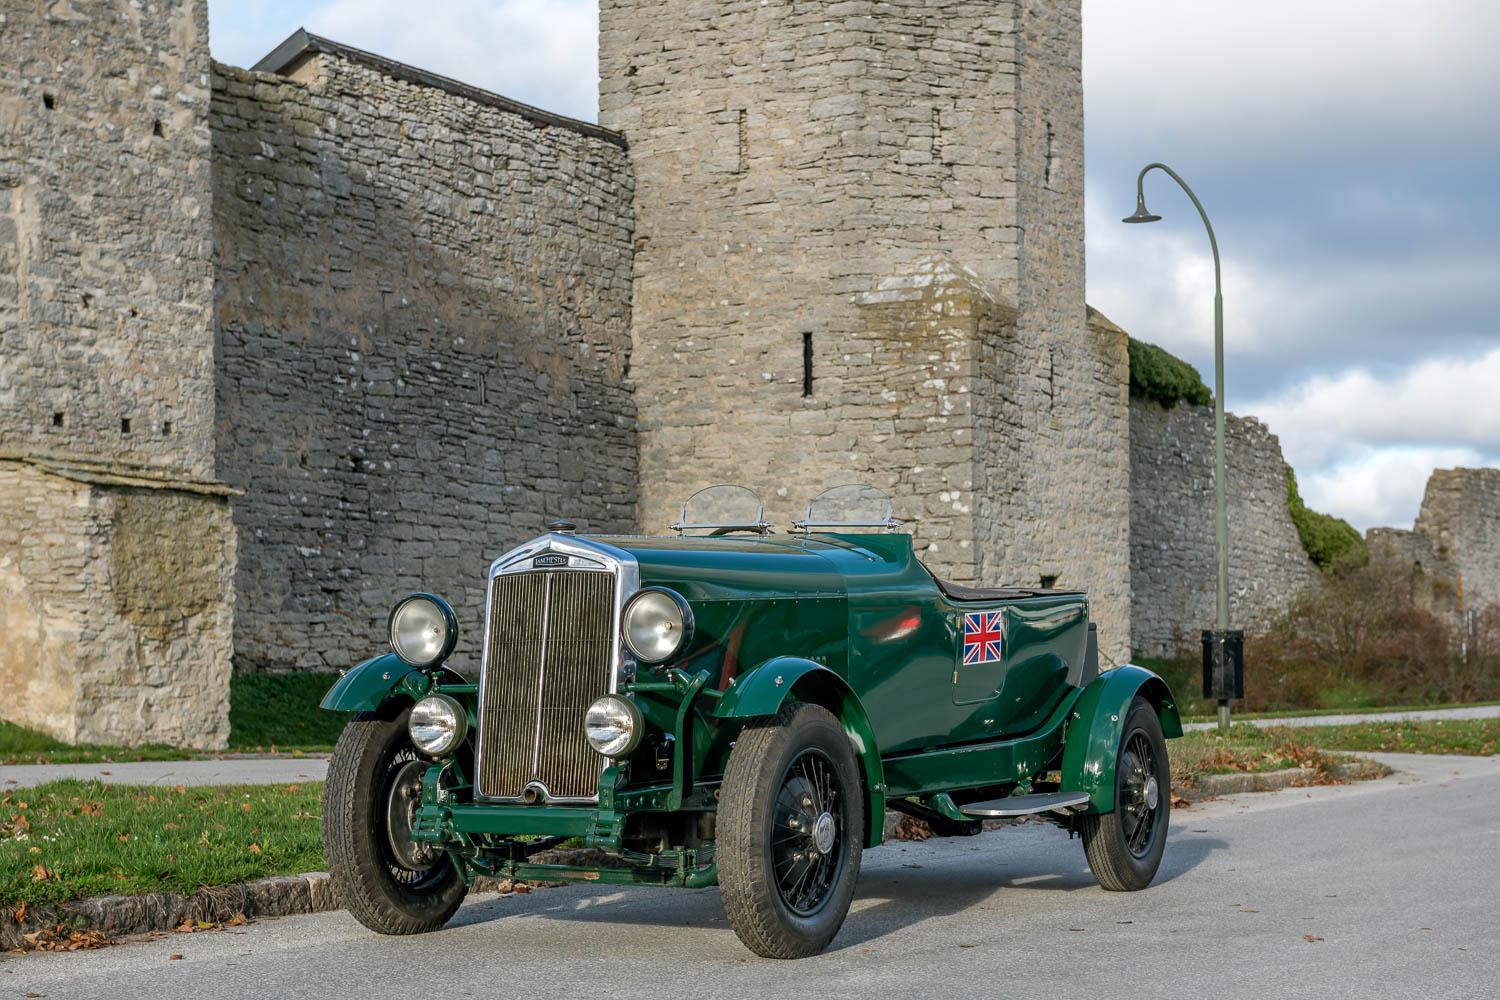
pixel 763 690
pixel 1096 724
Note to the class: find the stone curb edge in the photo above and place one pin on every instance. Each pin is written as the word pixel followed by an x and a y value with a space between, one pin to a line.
pixel 1210 785
pixel 119 916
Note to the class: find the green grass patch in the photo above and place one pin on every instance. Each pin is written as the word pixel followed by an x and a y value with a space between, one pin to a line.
pixel 1247 749
pixel 19 745
pixel 281 710
pixel 74 839
pixel 1158 375
pixel 1209 714
pixel 1478 737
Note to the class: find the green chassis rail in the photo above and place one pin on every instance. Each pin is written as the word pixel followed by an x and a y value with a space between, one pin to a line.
pixel 1084 730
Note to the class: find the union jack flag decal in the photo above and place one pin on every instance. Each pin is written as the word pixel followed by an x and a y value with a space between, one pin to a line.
pixel 984 631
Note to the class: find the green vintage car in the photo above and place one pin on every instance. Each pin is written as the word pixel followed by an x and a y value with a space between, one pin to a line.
pixel 734 706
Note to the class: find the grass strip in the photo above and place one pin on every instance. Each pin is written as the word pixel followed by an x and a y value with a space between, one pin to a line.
pixel 1476 737
pixel 19 745
pixel 75 839
pixel 282 710
pixel 1295 713
pixel 1246 749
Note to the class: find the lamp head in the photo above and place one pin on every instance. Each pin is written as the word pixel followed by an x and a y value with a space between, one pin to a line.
pixel 1141 215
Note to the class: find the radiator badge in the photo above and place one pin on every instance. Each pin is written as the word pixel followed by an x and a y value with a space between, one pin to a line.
pixel 550 559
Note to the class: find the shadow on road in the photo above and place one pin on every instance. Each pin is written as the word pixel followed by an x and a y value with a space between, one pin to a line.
pixel 896 890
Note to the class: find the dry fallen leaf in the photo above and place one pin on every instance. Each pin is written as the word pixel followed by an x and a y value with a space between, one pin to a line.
pixel 1309 937
pixel 238 920
pixel 174 958
pixel 253 848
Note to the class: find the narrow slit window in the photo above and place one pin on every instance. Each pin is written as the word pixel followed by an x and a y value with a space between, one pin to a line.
pixel 1051 165
pixel 166 428
pixel 1049 581
pixel 158 129
pixel 57 419
pixel 807 358
pixel 744 162
pixel 124 425
pixel 49 102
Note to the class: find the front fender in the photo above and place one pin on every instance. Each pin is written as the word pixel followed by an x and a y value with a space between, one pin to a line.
pixel 365 687
pixel 763 690
pixel 1096 724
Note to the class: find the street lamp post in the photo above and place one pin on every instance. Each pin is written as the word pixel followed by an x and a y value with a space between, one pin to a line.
pixel 1216 657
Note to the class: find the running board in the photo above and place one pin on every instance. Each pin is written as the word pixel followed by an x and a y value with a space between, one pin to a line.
pixel 1025 805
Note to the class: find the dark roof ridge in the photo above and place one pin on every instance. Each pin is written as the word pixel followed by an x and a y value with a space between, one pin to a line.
pixel 302 41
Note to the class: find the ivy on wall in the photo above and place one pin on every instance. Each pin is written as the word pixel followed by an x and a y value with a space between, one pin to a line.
pixel 1327 539
pixel 1163 377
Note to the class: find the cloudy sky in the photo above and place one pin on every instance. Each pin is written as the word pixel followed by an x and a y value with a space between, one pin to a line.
pixel 1347 152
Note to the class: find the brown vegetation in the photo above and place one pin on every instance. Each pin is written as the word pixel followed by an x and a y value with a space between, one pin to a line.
pixel 1368 637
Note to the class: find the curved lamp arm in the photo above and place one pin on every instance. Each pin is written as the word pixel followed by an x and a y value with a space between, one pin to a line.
pixel 1142 216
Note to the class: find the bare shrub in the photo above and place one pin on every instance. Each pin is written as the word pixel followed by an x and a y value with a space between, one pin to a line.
pixel 1363 637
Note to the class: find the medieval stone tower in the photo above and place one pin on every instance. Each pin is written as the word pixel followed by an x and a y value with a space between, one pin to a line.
pixel 859 257
pixel 116 548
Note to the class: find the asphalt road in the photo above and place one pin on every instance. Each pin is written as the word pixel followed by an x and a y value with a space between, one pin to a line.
pixel 1394 881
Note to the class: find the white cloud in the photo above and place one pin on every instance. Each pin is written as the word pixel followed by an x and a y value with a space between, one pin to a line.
pixel 1439 402
pixel 1380 487
pixel 1364 443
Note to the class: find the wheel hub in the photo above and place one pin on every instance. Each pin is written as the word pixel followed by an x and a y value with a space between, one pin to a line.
pixel 823 833
pixel 1151 793
pixel 401 811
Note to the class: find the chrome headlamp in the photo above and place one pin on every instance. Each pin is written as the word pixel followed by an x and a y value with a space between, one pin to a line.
pixel 613 725
pixel 437 724
pixel 657 624
pixel 423 630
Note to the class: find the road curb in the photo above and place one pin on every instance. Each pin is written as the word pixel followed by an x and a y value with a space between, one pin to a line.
pixel 113 916
pixel 1211 785
pixel 277 896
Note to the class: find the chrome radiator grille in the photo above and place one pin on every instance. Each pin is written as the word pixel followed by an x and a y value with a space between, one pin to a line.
pixel 548 656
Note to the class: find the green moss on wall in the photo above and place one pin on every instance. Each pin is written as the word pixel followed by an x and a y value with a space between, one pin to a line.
pixel 1327 539
pixel 1163 377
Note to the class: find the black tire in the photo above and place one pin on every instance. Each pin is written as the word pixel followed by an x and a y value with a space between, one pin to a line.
pixel 391 885
pixel 1124 847
pixel 791 830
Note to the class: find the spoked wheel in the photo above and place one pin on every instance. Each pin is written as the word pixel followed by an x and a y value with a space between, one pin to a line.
pixel 1124 847
pixel 808 841
pixel 389 881
pixel 791 831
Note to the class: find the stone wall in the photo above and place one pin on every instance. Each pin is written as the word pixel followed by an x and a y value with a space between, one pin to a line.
pixel 1173 562
pixel 423 307
pixel 1455 541
pixel 105 291
pixel 893 192
pixel 116 603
